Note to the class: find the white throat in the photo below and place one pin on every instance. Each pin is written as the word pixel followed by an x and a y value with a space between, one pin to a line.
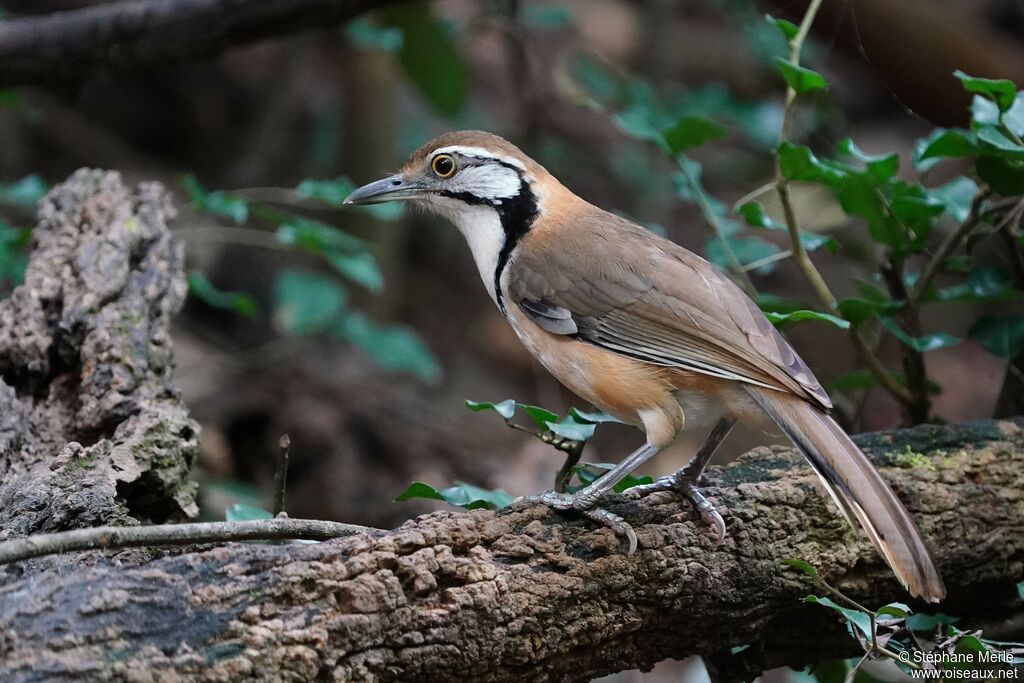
pixel 481 226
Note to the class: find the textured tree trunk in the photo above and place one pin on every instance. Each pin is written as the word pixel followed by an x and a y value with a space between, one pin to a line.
pixel 508 596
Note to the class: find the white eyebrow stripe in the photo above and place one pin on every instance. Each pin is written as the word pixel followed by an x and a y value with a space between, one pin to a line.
pixel 480 153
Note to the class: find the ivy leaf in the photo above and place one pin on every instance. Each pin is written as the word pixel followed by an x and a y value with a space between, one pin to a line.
pixel 461 494
pixel 895 609
pixel 803 566
pixel 881 166
pixel 348 255
pixel 923 344
pixel 927 622
pixel 219 202
pixel 240 512
pixel 799 163
pixel 359 267
pixel 305 302
pixel 692 131
pixel 944 143
pixel 429 58
pixel 568 428
pixel 396 348
pixel 956 196
pixel 800 78
pixel 540 416
pixel 595 418
pixel 999 90
pixel 506 408
pixel 855 619
pixel 1002 337
pixel 204 290
pixel 858 310
pixel 1005 176
pixel 787 28
pixel 796 316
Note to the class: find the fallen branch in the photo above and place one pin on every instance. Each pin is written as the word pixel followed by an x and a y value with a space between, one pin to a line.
pixel 117 36
pixel 114 537
pixel 540 595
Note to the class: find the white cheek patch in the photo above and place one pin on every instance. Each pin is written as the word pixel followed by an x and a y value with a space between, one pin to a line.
pixel 488 181
pixel 481 227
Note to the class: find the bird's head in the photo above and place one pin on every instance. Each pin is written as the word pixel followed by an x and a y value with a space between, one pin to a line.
pixel 458 173
pixel 484 184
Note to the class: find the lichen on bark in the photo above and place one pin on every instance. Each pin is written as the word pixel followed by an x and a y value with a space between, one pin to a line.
pixel 91 430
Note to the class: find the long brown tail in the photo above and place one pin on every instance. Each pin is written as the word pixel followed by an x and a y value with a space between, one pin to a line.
pixel 857 488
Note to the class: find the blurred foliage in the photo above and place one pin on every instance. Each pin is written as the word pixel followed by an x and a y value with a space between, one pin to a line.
pixel 916 643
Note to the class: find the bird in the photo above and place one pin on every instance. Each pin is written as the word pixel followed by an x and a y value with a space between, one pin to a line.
pixel 646 331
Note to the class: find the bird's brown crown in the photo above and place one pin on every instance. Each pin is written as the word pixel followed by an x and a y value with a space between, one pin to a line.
pixel 494 144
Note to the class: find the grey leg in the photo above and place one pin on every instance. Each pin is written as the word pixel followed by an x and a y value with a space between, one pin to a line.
pixel 684 481
pixel 585 499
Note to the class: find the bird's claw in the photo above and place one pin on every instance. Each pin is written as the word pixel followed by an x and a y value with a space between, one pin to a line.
pixel 585 506
pixel 686 487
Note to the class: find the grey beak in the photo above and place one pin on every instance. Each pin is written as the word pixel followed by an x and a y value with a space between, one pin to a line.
pixel 385 190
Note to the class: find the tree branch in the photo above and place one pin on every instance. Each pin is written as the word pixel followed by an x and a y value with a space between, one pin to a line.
pixel 538 595
pixel 112 537
pixel 117 36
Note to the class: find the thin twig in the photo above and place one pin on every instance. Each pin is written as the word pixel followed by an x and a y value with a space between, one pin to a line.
pixel 945 248
pixel 712 219
pixel 110 537
pixel 572 458
pixel 281 473
pixel 803 261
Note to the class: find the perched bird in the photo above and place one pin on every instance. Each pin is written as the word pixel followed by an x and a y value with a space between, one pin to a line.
pixel 643 329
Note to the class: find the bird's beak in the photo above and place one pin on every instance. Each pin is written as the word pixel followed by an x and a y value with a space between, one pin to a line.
pixel 388 189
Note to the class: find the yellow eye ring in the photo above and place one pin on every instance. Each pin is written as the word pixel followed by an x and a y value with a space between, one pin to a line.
pixel 443 166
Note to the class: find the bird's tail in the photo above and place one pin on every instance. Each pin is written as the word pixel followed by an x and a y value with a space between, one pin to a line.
pixel 857 488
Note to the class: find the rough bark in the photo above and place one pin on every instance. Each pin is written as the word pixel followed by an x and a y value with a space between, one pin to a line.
pixel 116 36
pixel 92 433
pixel 535 595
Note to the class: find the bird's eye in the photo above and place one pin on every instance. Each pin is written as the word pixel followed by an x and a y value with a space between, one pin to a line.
pixel 443 165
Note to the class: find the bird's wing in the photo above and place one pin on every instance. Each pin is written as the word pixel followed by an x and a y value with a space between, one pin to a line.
pixel 618 286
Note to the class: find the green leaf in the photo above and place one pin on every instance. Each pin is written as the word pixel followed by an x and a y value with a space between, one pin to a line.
pixel 1005 176
pixel 787 28
pixel 1014 117
pixel 923 344
pixel 396 348
pixel 746 249
pixel 461 494
pixel 347 254
pixel 927 622
pixel 754 214
pixel 796 316
pixel 219 202
pixel 429 57
pixel 944 143
pixel 594 418
pixel 692 131
pixel 506 408
pixel 855 619
pixel 24 193
pixel 864 379
pixel 587 476
pixel 858 310
pixel 881 166
pixel 540 416
pixel 366 34
pixel 800 78
pixel 1002 337
pixel 567 428
pixel 240 512
pixel 956 196
pixel 333 193
pixel 799 163
pixel 999 90
pixel 306 303
pixel 802 566
pixel 994 141
pixel 895 609
pixel 983 282
pixel 984 111
pixel 204 290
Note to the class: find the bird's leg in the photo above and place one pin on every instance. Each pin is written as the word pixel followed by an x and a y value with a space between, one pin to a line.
pixel 684 481
pixel 585 500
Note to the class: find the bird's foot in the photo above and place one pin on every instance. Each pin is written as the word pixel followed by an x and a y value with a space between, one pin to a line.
pixel 586 506
pixel 685 485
